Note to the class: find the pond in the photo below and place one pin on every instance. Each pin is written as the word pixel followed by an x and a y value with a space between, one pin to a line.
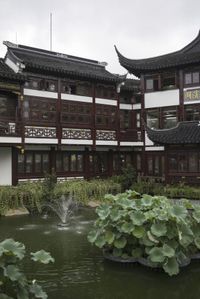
pixel 80 272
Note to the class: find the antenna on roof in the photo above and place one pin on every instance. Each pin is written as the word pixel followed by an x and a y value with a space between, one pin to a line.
pixel 16 38
pixel 50 31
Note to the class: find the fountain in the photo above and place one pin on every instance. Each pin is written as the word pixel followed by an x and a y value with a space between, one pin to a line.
pixel 64 207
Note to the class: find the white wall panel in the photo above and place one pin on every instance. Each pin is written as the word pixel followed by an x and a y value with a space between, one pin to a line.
pixel 161 98
pixel 5 166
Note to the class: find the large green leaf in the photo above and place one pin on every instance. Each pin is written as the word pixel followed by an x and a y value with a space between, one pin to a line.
pixel 138 231
pixel 168 251
pixel 137 217
pixel 127 227
pixel 116 214
pixel 186 240
pixel 137 252
pixel 12 272
pixel 92 236
pixel 156 255
pixel 42 256
pixel 109 237
pixel 146 200
pixel 179 212
pixel 14 248
pixel 120 243
pixel 100 241
pixel 197 242
pixel 4 296
pixel 171 266
pixel 103 211
pixel 196 214
pixel 159 229
pixel 152 238
pixel 126 203
pixel 132 194
pixel 145 241
pixel 36 289
pixel 181 257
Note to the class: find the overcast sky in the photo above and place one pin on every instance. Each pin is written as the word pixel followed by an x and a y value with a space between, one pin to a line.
pixel 91 28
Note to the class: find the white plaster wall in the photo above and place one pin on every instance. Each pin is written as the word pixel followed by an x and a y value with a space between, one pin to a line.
pixel 40 93
pixel 148 142
pixel 5 166
pixel 161 98
pixel 76 98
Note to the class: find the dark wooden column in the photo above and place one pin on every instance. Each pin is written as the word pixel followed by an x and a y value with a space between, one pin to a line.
pixel 118 120
pixel 143 115
pixel 86 164
pixel 52 159
pixel 14 166
pixel 110 162
pixel 58 113
pixel 93 129
pixel 181 96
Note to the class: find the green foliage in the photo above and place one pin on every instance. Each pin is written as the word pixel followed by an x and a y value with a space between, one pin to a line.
pixel 163 233
pixel 170 191
pixel 127 177
pixel 34 195
pixel 83 191
pixel 14 283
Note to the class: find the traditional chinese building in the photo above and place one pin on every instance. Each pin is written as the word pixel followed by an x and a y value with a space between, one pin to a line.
pixel 170 89
pixel 65 113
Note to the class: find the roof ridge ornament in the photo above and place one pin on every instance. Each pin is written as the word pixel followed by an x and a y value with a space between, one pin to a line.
pixel 9 44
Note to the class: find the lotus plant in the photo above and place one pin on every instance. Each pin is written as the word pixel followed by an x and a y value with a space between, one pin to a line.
pixel 153 230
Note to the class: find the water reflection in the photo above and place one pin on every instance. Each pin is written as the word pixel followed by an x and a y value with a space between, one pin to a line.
pixel 80 272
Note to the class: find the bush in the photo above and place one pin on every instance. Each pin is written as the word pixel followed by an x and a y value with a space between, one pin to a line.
pixel 151 228
pixel 13 282
pixel 83 191
pixel 170 191
pixel 34 195
pixel 127 178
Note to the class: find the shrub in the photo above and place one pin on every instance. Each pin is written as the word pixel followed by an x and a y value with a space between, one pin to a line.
pixel 127 178
pixel 34 195
pixel 152 228
pixel 13 282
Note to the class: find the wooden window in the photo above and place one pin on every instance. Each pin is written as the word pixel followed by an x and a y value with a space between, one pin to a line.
pixel 76 114
pixel 169 118
pixel 182 162
pixel 125 119
pixel 192 112
pixel 152 84
pixel 153 118
pixel 138 162
pixel 8 106
pixel 138 120
pixel 168 81
pixel 155 164
pixel 105 117
pixel 39 110
pixel 33 163
pixel 192 78
pixel 67 162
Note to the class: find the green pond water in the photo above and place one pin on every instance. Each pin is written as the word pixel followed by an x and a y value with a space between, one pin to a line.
pixel 80 272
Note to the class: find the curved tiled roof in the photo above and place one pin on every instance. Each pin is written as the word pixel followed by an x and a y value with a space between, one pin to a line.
pixel 187 132
pixel 40 60
pixel 186 56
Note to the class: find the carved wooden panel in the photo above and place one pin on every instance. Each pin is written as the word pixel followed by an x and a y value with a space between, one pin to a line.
pixel 40 132
pixel 105 135
pixel 69 133
pixel 8 129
